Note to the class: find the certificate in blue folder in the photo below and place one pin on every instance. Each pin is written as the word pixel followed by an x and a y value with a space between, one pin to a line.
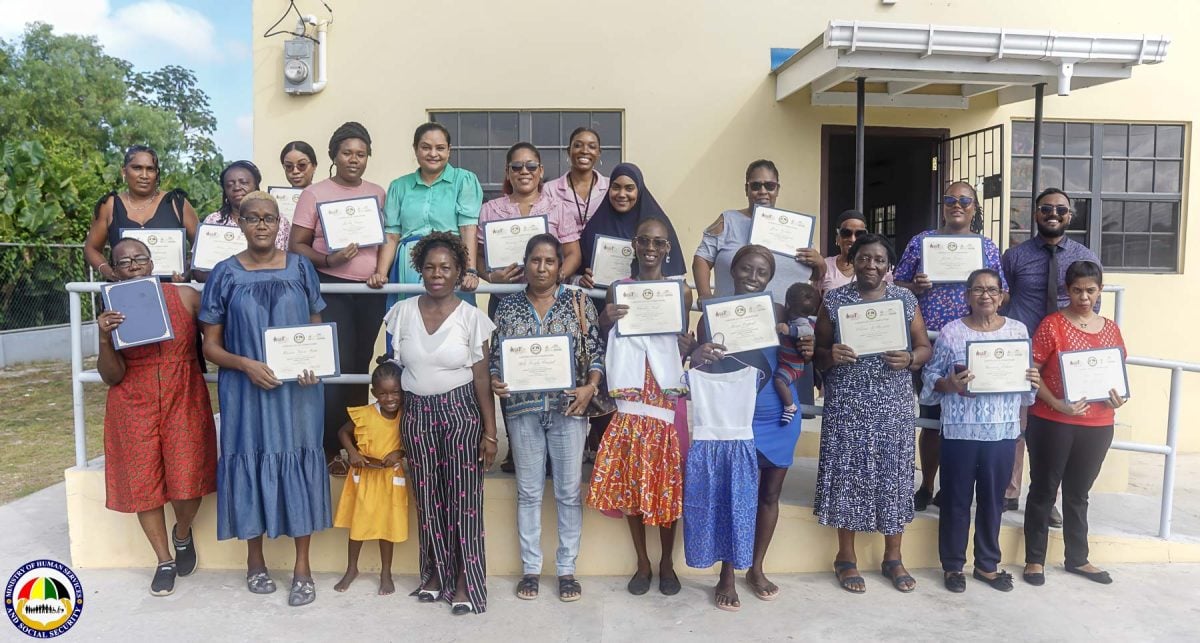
pixel 146 318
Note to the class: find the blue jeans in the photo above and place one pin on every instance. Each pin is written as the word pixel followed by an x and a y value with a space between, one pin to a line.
pixel 532 436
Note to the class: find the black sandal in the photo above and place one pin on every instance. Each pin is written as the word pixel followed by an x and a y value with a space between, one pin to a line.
pixel 569 589
pixel 1003 580
pixel 852 584
pixel 956 582
pixel 527 588
pixel 899 582
pixel 1101 577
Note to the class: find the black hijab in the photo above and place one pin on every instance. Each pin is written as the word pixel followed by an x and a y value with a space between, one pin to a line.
pixel 607 221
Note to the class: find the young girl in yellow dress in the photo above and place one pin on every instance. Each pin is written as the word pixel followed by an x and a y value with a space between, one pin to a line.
pixel 374 503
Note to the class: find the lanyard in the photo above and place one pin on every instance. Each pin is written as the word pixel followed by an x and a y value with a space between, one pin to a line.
pixel 582 209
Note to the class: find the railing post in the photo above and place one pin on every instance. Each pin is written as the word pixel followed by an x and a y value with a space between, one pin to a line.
pixel 76 384
pixel 1168 486
pixel 1119 308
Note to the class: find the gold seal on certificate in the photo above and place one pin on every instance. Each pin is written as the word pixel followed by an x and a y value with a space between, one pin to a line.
pixel 612 260
pixel 655 308
pixel 286 199
pixel 1090 374
pixel 873 327
pixel 504 241
pixel 216 243
pixel 537 364
pixel 951 258
pixel 999 366
pixel 166 247
pixel 741 323
pixel 780 231
pixel 291 350
pixel 351 221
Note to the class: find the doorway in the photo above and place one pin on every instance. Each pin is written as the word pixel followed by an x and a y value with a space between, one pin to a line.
pixel 901 181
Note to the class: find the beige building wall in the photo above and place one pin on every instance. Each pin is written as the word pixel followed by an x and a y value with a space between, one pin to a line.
pixel 692 79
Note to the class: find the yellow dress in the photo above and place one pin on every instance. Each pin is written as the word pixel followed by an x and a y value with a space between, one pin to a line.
pixel 374 503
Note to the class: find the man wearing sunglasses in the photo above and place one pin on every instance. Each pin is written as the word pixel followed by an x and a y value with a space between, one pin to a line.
pixel 1036 271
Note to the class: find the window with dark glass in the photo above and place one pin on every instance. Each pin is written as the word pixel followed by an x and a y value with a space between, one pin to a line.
pixel 481 139
pixel 1126 184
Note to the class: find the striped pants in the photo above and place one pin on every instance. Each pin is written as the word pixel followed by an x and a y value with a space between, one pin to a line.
pixel 441 435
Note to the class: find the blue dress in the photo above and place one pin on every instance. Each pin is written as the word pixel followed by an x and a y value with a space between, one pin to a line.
pixel 271 476
pixel 776 444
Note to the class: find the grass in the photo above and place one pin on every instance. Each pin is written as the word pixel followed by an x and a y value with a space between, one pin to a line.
pixel 36 425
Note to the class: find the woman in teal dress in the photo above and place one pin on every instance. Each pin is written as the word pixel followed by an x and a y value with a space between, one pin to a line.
pixel 438 197
pixel 271 477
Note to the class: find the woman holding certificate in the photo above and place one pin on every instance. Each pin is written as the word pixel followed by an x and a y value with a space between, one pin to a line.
pixel 753 267
pixel 160 444
pixel 870 340
pixel 271 477
pixel 935 266
pixel 337 227
pixel 449 426
pixel 547 423
pixel 438 197
pixel 164 221
pixel 1082 359
pixel 981 375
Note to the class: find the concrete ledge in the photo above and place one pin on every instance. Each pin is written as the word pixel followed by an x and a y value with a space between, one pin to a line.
pixel 105 539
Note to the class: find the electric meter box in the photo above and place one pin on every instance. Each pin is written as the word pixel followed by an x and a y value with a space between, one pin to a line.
pixel 299 65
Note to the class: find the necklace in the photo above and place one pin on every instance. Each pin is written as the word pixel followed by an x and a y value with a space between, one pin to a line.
pixel 134 207
pixel 585 207
pixel 1080 321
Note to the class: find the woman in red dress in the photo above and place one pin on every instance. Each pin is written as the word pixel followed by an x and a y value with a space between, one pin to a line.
pixel 160 442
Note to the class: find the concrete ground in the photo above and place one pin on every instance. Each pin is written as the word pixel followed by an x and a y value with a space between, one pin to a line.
pixel 1147 602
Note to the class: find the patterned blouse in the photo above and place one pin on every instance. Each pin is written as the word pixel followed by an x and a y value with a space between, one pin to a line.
pixel 986 418
pixel 516 317
pixel 943 303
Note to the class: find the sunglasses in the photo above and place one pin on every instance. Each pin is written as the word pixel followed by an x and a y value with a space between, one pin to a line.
pixel 140 260
pixel 950 200
pixel 1060 210
pixel 769 186
pixel 528 166
pixel 847 233
pixel 646 242
pixel 253 220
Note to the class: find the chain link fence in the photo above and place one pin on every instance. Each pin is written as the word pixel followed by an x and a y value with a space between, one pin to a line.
pixel 31 284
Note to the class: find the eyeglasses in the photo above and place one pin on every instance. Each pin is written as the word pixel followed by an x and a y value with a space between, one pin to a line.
pixel 140 260
pixel 1060 210
pixel 267 219
pixel 646 242
pixel 529 166
pixel 980 291
pixel 769 186
pixel 846 233
pixel 863 260
pixel 949 200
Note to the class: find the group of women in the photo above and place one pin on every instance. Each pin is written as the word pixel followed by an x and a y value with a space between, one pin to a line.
pixel 724 477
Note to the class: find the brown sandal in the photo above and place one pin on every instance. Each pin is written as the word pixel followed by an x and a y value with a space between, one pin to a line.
pixel 338 467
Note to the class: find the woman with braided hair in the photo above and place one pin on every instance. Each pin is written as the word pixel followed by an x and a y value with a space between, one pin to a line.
pixel 357 316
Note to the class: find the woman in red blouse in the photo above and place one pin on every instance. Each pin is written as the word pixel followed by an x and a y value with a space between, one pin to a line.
pixel 1067 440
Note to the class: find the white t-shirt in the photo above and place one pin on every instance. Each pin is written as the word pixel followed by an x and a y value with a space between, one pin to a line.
pixel 440 362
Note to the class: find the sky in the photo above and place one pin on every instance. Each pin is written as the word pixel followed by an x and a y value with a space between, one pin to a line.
pixel 210 37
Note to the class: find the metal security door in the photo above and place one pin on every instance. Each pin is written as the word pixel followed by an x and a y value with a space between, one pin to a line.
pixel 978 158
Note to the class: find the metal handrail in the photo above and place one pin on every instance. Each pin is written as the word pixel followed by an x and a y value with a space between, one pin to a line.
pixel 79 376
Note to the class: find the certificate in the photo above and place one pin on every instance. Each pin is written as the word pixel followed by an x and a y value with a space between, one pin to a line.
pixel 780 231
pixel 612 260
pixel 874 327
pixel 216 243
pixel 999 366
pixel 286 199
pixel 951 258
pixel 741 323
pixel 504 241
pixel 655 308
pixel 166 247
pixel 544 363
pixel 146 318
pixel 351 221
pixel 291 350
pixel 1090 374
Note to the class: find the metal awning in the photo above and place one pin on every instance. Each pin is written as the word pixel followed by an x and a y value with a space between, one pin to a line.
pixel 943 66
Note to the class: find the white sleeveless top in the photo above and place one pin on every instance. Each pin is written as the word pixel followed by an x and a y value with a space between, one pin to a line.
pixel 723 404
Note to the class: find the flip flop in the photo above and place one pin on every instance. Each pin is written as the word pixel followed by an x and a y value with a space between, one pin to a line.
pixel 762 593
pixel 852 584
pixel 888 569
pixel 728 607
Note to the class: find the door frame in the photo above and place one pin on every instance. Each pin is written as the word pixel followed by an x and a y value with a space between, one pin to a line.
pixel 830 130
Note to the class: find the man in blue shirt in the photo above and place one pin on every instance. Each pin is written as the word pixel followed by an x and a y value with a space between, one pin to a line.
pixel 1036 273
